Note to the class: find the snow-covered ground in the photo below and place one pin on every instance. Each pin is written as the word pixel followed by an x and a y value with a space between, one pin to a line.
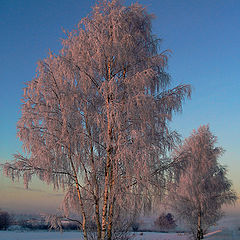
pixel 11 235
pixel 162 236
pixel 226 229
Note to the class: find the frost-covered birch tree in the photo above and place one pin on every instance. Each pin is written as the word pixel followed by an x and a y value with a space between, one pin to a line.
pixel 202 184
pixel 95 119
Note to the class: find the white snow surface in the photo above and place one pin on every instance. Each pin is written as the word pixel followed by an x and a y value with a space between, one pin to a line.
pixel 11 235
pixel 41 235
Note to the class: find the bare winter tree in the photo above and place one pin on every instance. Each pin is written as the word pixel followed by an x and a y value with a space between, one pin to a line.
pixel 202 185
pixel 95 119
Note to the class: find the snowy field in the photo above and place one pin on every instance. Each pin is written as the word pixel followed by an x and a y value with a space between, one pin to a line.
pixel 9 235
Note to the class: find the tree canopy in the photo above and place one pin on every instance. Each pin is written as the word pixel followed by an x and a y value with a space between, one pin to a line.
pixel 95 119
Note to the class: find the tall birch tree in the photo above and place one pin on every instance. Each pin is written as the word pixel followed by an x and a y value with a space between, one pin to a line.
pixel 202 186
pixel 95 119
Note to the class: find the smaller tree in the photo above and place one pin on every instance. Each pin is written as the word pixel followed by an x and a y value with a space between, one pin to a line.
pixel 201 186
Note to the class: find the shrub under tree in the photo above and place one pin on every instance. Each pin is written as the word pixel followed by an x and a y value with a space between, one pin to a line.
pixel 165 222
pixel 5 220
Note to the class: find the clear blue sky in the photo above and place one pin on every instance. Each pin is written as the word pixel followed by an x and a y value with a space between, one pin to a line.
pixel 204 37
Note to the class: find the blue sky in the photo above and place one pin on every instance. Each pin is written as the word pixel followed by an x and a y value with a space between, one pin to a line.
pixel 204 38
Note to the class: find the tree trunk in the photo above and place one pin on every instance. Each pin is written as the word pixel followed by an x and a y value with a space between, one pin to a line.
pixel 106 188
pixel 105 198
pixel 108 163
pixel 111 205
pixel 83 212
pixel 96 188
pixel 110 219
pixel 79 197
pixel 199 228
pixel 97 220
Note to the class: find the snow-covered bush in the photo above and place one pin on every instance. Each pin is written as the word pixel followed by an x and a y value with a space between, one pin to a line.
pixel 4 220
pixel 135 226
pixel 15 228
pixel 165 222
